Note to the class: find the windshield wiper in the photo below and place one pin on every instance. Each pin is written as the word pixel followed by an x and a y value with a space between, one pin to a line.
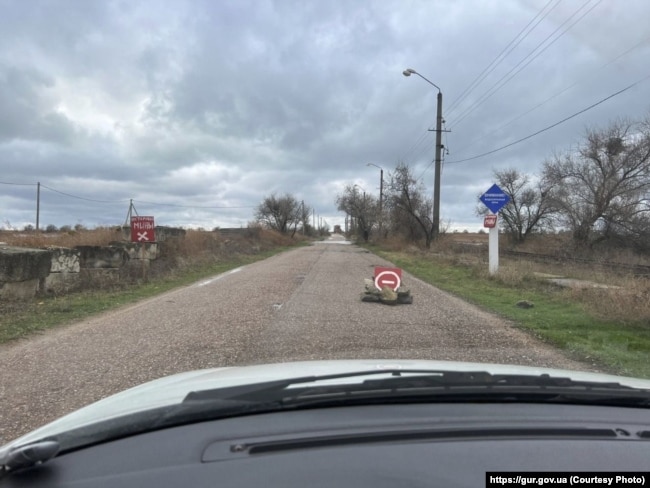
pixel 426 384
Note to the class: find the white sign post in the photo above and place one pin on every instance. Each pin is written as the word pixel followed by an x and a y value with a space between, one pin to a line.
pixel 494 199
pixel 493 249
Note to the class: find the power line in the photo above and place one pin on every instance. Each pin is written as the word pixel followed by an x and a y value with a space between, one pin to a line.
pixel 411 149
pixel 82 198
pixel 505 79
pixel 532 109
pixel 507 50
pixel 552 125
pixel 502 55
pixel 433 161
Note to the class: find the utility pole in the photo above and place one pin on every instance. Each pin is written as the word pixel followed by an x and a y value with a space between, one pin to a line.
pixel 436 186
pixel 38 202
pixel 436 189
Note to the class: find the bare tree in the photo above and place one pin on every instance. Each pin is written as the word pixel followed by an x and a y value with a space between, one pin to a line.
pixel 280 213
pixel 530 208
pixel 363 209
pixel 410 209
pixel 602 189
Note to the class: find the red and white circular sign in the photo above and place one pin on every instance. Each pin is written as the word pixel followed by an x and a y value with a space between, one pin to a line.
pixel 390 277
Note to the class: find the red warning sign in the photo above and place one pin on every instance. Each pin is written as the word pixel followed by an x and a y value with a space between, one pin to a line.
pixel 390 277
pixel 142 229
pixel 490 221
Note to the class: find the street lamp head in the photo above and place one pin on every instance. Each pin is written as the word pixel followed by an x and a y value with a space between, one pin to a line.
pixel 409 72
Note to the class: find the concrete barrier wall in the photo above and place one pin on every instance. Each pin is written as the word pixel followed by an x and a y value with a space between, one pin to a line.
pixel 21 271
pixel 65 270
pixel 25 272
pixel 239 231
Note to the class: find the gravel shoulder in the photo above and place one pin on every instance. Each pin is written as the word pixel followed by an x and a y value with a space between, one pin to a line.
pixel 301 304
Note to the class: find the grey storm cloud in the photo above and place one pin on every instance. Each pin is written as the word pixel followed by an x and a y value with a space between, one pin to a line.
pixel 196 103
pixel 26 111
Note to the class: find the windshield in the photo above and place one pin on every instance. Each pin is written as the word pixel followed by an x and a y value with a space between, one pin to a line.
pixel 189 187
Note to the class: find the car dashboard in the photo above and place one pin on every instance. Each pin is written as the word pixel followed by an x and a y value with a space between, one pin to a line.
pixel 451 445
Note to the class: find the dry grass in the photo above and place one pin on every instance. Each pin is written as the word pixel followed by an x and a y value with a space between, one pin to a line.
pixel 399 244
pixel 562 245
pixel 202 248
pixel 627 300
pixel 100 236
pixel 275 239
pixel 516 275
pixel 624 298
pixel 629 304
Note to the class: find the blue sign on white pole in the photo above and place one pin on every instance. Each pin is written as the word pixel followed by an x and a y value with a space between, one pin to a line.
pixel 494 199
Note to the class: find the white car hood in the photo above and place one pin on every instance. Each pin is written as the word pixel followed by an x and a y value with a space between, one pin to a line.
pixel 172 389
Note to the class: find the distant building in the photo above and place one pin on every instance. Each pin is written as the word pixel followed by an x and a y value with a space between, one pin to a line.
pixel 337 229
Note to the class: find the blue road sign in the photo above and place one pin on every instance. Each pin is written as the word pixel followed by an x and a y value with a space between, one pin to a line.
pixel 495 199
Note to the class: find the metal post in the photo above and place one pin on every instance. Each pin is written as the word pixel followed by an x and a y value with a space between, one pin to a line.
pixel 493 249
pixel 38 203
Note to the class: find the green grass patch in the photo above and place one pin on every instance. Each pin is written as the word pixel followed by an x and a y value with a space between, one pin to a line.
pixel 19 319
pixel 617 347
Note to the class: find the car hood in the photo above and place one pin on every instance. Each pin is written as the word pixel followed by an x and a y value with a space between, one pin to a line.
pixel 172 389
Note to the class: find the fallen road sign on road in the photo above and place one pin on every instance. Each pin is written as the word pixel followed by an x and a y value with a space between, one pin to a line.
pixel 386 288
pixel 388 277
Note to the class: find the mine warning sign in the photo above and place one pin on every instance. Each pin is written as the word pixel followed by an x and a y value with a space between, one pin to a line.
pixel 490 221
pixel 142 229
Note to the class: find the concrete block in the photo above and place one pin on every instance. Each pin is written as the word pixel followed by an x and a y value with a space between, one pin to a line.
pixel 62 282
pixel 22 263
pixel 19 290
pixel 93 257
pixel 100 277
pixel 64 260
pixel 139 250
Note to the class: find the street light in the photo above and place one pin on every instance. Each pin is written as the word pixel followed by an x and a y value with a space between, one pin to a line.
pixel 436 186
pixel 381 194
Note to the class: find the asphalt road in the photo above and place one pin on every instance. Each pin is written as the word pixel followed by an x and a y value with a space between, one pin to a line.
pixel 302 304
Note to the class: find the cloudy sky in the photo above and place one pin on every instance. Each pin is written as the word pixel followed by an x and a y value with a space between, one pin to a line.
pixel 197 109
